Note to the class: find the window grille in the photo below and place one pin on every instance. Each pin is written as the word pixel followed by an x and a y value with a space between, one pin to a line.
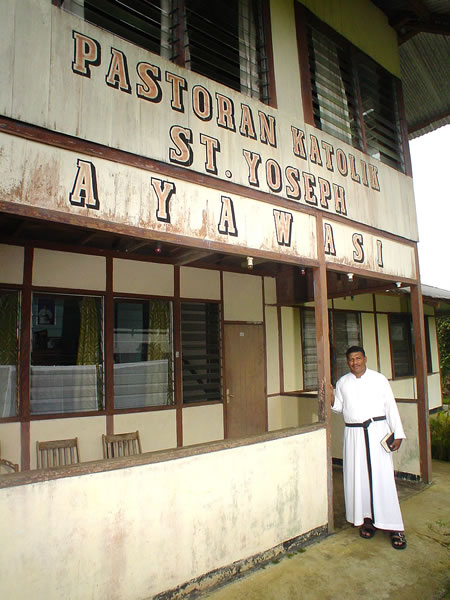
pixel 353 97
pixel 223 40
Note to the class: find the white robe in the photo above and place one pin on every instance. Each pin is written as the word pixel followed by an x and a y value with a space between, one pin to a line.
pixel 360 399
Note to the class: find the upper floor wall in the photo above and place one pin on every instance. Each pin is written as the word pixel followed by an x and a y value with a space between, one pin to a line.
pixel 64 74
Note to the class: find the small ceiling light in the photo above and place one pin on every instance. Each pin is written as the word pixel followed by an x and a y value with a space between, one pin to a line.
pixel 250 262
pixel 158 248
pixel 303 271
pixel 398 284
pixel 350 276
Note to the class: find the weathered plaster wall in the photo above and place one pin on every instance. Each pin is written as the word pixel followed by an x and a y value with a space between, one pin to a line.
pixel 123 534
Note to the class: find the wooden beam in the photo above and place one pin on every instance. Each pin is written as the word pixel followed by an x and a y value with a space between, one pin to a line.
pixel 421 381
pixel 190 255
pixel 323 358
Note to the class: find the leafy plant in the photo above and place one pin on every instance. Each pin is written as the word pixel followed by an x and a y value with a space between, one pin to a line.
pixel 443 331
pixel 440 436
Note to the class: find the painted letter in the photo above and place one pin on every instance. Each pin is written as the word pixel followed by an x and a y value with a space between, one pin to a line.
pixel 273 175
pixel 212 146
pixel 202 103
pixel 225 112
pixel 339 199
pixel 358 253
pixel 86 54
pixel 227 224
pixel 283 226
pixel 309 182
pixel 267 129
pixel 84 191
pixel 117 75
pixel 328 240
pixel 380 253
pixel 253 160
pixel 182 138
pixel 149 75
pixel 179 85
pixel 164 191
pixel 293 189
pixel 298 142
pixel 247 127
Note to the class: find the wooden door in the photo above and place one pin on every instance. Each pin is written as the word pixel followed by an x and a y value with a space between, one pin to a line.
pixel 245 392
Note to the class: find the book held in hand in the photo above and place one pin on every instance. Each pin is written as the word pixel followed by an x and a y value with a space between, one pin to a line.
pixel 386 442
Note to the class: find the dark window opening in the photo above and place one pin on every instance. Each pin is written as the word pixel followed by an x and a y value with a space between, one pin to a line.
pixel 402 345
pixel 200 351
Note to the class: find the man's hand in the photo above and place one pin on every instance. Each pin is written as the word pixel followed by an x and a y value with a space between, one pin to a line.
pixel 396 445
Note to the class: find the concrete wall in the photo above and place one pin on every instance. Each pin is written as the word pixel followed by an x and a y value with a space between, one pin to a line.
pixel 130 533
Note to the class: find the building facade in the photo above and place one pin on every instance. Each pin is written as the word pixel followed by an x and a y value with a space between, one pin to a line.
pixel 202 206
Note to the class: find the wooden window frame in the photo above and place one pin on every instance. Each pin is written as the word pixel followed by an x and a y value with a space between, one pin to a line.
pixel 303 17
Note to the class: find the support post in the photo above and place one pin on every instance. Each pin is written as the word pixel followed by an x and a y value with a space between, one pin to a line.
pixel 421 380
pixel 323 358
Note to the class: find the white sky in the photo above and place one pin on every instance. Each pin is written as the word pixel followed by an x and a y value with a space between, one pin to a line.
pixel 430 156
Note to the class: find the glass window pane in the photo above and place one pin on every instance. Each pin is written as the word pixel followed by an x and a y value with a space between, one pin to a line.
pixel 67 354
pixel 143 353
pixel 8 352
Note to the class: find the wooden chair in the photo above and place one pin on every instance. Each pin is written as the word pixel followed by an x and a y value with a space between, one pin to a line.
pixel 57 453
pixel 7 465
pixel 121 444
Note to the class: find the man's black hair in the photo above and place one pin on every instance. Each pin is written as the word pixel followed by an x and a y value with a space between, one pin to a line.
pixel 355 349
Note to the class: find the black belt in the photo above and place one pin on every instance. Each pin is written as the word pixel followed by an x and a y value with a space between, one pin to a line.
pixel 365 426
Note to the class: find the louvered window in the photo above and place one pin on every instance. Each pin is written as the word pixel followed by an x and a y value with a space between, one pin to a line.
pixel 353 97
pixel 380 112
pixel 335 103
pixel 345 331
pixel 200 350
pixel 402 345
pixel 223 40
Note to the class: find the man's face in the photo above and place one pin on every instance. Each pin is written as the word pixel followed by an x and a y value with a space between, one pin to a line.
pixel 357 363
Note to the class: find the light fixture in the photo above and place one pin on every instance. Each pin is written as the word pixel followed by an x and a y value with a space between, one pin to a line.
pixel 398 284
pixel 303 271
pixel 350 276
pixel 158 248
pixel 249 263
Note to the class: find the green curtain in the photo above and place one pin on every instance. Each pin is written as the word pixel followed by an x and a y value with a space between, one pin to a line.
pixel 8 327
pixel 159 344
pixel 88 346
pixel 89 343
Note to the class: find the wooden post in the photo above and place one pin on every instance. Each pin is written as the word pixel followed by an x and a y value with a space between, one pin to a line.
pixel 421 379
pixel 323 358
pixel 24 359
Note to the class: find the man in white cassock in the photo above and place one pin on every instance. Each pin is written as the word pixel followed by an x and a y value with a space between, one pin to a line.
pixel 367 403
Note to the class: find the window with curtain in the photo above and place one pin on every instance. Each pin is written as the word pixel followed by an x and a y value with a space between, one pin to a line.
pixel 223 40
pixel 200 350
pixel 9 329
pixel 354 98
pixel 402 345
pixel 143 353
pixel 66 354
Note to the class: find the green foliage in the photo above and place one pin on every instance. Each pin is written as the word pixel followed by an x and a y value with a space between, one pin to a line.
pixel 440 436
pixel 443 331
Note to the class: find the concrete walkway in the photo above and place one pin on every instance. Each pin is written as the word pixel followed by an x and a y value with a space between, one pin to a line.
pixel 345 566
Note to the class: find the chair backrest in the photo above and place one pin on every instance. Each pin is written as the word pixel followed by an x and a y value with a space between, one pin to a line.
pixel 57 453
pixel 121 444
pixel 6 466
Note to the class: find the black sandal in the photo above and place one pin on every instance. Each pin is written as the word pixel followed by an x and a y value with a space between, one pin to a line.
pixel 398 540
pixel 367 532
